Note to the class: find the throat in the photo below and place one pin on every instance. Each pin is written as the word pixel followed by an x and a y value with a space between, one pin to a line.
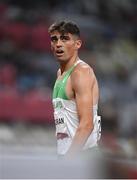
pixel 66 66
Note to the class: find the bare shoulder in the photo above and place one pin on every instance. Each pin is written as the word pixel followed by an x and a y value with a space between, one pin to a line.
pixel 83 77
pixel 83 70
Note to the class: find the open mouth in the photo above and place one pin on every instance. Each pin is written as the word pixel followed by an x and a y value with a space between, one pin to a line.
pixel 59 52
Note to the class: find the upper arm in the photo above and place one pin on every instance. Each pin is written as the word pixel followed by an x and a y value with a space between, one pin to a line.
pixel 82 84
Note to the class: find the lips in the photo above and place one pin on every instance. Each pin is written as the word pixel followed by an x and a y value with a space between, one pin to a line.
pixel 59 52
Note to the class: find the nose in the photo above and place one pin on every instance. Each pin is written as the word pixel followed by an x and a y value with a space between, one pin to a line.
pixel 59 43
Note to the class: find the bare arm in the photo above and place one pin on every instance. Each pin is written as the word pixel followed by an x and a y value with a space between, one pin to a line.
pixel 82 83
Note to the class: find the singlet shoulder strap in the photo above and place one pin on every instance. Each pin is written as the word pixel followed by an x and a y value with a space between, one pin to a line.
pixel 68 73
pixel 59 87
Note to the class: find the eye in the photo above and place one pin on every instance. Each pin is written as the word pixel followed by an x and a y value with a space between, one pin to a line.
pixel 53 38
pixel 64 38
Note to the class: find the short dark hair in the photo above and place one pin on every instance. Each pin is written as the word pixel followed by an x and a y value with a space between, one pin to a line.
pixel 65 27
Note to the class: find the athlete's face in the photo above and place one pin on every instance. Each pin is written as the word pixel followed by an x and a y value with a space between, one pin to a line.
pixel 64 46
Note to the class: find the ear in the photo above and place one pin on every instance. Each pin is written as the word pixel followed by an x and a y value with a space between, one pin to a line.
pixel 78 43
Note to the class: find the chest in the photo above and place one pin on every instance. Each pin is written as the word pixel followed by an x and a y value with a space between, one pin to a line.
pixel 63 89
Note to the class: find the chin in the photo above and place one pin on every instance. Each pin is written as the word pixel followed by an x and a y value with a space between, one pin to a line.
pixel 61 60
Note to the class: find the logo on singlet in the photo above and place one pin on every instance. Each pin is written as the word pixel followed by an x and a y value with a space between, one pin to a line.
pixel 58 105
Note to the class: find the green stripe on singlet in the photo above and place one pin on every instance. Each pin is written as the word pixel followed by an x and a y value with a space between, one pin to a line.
pixel 59 90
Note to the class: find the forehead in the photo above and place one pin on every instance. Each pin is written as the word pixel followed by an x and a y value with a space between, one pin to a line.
pixel 56 33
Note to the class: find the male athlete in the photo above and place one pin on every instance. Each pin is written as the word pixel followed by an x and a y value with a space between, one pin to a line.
pixel 75 94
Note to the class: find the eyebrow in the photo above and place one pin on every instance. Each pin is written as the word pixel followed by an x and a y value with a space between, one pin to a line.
pixel 66 37
pixel 53 38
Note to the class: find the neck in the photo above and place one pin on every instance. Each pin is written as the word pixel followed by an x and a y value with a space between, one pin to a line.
pixel 64 66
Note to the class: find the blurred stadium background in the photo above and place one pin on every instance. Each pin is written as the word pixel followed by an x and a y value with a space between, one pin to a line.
pixel 28 72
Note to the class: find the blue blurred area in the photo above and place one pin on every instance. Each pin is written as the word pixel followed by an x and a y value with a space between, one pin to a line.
pixel 28 69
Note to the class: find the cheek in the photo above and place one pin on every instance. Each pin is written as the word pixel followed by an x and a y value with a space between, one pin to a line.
pixel 70 48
